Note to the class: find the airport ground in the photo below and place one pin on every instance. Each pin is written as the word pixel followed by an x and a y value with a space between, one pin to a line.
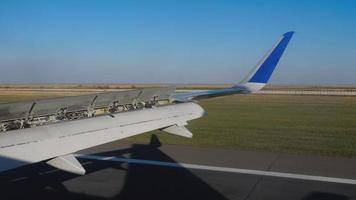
pixel 247 147
pixel 319 125
pixel 205 173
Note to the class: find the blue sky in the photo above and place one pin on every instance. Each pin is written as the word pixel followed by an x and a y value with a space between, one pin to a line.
pixel 174 41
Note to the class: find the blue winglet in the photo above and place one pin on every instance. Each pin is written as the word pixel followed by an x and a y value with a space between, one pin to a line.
pixel 270 62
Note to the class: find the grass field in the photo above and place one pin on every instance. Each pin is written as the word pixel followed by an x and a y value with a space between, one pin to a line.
pixel 322 125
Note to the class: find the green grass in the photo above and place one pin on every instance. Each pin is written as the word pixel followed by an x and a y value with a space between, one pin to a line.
pixel 321 125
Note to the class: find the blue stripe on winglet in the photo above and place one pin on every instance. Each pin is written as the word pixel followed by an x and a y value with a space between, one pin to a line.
pixel 265 71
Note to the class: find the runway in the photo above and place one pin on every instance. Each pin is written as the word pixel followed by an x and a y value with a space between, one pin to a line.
pixel 122 170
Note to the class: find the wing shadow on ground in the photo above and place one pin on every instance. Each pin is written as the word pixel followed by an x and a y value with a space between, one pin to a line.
pixel 109 180
pixel 325 196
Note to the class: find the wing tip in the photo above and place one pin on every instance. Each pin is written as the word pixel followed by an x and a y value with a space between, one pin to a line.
pixel 268 64
pixel 289 33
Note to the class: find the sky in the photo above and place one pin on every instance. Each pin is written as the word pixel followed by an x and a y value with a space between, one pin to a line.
pixel 182 41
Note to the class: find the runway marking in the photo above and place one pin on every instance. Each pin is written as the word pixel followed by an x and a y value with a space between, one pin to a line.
pixel 221 169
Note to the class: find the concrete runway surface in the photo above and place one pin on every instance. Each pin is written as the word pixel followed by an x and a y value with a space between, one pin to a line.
pixel 155 171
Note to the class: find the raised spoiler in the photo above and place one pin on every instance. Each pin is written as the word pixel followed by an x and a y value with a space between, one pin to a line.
pixel 253 82
pixel 40 112
pixel 41 107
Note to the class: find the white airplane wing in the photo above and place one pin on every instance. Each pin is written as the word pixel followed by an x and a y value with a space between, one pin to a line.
pixel 52 130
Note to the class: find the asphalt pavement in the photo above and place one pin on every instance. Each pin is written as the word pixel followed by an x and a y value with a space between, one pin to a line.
pixel 156 171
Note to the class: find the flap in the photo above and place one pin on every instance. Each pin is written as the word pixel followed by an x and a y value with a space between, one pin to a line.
pixel 67 163
pixel 178 130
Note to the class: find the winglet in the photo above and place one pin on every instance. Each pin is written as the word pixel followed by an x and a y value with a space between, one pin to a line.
pixel 260 75
pixel 253 82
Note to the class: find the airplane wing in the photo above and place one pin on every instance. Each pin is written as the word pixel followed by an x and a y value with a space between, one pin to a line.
pixel 253 82
pixel 52 130
pixel 43 111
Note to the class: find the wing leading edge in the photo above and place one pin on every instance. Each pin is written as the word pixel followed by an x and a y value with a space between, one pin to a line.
pixel 253 82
